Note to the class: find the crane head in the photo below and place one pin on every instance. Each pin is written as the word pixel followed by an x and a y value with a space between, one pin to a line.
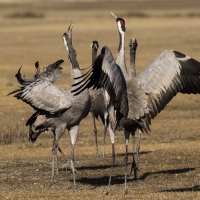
pixel 67 35
pixel 95 45
pixel 120 22
pixel 133 44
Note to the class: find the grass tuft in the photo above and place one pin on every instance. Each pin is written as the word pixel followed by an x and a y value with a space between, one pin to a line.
pixel 16 132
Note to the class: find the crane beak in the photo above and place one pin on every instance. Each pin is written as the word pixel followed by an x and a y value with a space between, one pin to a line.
pixel 115 16
pixel 70 27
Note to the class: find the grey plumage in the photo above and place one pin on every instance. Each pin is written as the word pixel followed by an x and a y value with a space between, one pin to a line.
pixel 51 73
pixel 149 92
pixel 98 106
pixel 132 73
pixel 137 100
pixel 133 44
pixel 107 74
pixel 170 73
pixel 56 108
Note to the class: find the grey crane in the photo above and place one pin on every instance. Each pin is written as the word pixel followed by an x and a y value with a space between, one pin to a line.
pixel 121 61
pixel 133 44
pixel 98 106
pixel 107 74
pixel 51 73
pixel 148 93
pixel 57 108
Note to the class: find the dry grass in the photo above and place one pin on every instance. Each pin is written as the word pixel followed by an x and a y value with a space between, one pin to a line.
pixel 169 158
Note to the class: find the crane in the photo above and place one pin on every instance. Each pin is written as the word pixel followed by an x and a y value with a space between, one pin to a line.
pixel 57 109
pixel 133 44
pixel 121 61
pixel 98 106
pixel 147 94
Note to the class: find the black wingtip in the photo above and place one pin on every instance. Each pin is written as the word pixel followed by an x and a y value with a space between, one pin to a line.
pixel 59 62
pixel 37 65
pixel 179 55
pixel 18 73
pixel 15 91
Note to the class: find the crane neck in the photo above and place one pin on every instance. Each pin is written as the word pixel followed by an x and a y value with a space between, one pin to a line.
pixel 132 69
pixel 75 69
pixel 94 55
pixel 121 60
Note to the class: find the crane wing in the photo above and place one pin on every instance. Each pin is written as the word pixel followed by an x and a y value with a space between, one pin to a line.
pixel 170 73
pixel 52 73
pixel 43 95
pixel 21 80
pixel 106 74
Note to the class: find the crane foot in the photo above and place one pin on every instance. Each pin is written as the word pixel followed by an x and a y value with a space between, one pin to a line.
pixel 125 191
pixel 53 184
pixel 135 169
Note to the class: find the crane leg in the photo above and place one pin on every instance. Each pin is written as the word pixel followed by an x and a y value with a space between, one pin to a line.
pixel 111 169
pixel 126 135
pixel 54 155
pixel 73 134
pixel 72 167
pixel 68 160
pixel 134 166
pixel 95 135
pixel 137 152
pixel 112 134
pixel 104 136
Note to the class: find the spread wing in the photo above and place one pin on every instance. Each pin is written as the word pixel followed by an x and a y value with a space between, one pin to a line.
pixel 106 74
pixel 170 73
pixel 43 95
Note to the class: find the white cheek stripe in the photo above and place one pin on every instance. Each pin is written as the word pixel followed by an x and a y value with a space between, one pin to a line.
pixel 65 43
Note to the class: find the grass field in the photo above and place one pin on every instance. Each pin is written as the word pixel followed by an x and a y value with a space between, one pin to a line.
pixel 169 158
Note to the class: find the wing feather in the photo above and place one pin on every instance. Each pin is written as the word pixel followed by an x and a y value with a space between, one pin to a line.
pixel 170 73
pixel 106 74
pixel 43 95
pixel 52 73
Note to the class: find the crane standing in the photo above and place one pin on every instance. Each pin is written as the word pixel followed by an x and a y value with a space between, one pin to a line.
pixel 57 109
pixel 98 106
pixel 130 82
pixel 147 94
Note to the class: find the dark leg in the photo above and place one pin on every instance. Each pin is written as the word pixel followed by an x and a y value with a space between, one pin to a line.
pixel 134 166
pixel 95 135
pixel 55 145
pixel 104 135
pixel 68 161
pixel 138 149
pixel 59 149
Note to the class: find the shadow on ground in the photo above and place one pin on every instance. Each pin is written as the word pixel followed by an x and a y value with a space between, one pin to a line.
pixel 103 181
pixel 96 181
pixel 140 153
pixel 195 188
pixel 170 171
